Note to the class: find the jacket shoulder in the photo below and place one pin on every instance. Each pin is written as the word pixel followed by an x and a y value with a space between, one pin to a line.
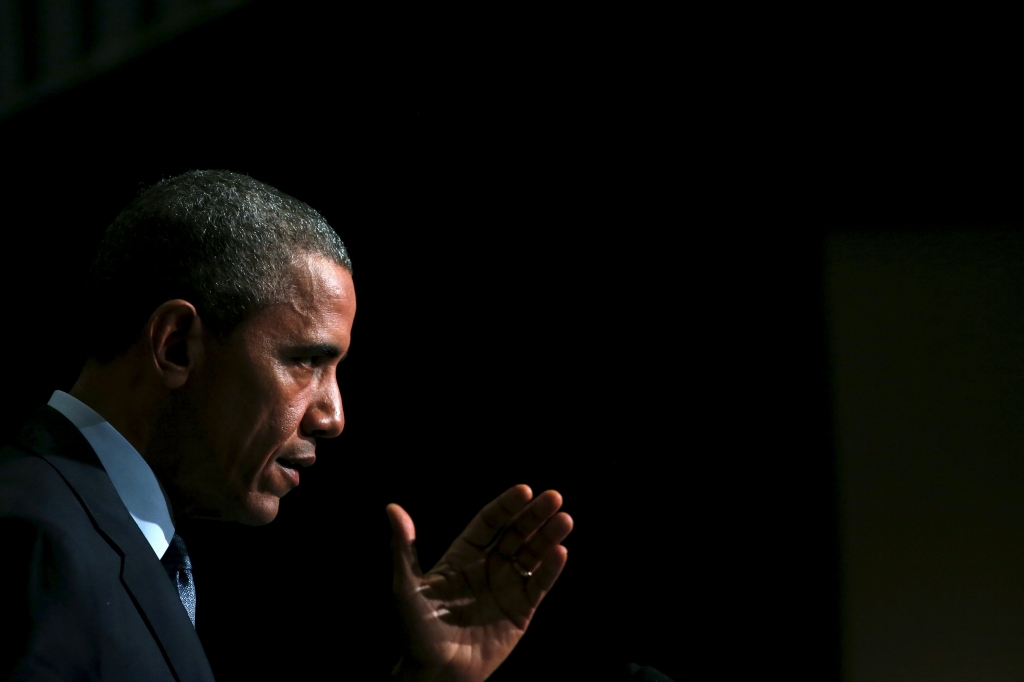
pixel 30 487
pixel 63 587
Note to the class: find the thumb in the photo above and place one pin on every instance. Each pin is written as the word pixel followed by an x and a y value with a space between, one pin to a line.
pixel 403 543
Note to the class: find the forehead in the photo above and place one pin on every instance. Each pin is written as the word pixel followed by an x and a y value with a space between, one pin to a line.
pixel 318 281
pixel 319 306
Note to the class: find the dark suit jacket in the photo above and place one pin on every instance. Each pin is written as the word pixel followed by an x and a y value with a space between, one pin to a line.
pixel 82 594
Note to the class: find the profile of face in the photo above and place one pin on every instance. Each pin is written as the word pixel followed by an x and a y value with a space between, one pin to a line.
pixel 251 413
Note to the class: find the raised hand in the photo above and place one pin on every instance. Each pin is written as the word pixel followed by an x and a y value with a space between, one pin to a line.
pixel 464 616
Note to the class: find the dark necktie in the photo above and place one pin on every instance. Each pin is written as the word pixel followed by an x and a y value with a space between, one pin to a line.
pixel 179 567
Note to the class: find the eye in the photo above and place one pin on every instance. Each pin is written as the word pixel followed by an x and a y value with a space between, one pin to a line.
pixel 307 360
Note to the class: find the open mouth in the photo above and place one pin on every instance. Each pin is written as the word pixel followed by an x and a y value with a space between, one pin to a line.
pixel 296 462
pixel 290 471
pixel 291 463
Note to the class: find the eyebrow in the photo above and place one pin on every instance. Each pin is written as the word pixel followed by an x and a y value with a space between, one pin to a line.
pixel 328 350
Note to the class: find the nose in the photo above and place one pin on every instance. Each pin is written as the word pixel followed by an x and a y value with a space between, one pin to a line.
pixel 325 417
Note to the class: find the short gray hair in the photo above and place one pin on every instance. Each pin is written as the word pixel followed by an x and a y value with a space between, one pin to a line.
pixel 220 240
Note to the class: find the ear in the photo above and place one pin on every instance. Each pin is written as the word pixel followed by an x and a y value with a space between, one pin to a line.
pixel 175 336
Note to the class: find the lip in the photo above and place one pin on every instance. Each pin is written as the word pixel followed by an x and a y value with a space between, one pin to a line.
pixel 289 466
pixel 295 461
pixel 289 474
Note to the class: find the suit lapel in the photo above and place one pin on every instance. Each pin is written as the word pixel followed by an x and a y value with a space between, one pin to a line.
pixel 54 438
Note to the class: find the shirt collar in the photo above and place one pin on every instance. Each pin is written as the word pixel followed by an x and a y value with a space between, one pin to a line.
pixel 133 480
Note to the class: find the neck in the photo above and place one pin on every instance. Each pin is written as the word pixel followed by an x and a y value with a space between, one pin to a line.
pixel 119 393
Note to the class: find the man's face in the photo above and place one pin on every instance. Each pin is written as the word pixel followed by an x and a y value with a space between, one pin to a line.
pixel 259 401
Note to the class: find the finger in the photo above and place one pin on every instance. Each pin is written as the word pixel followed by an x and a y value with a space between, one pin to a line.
pixel 546 574
pixel 528 521
pixel 486 525
pixel 403 544
pixel 550 534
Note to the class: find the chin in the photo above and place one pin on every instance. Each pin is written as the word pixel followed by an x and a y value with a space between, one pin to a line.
pixel 259 510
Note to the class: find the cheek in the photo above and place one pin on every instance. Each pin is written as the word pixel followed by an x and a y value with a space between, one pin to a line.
pixel 257 411
pixel 277 427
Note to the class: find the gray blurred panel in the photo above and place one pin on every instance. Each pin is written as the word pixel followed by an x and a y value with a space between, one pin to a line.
pixel 10 58
pixel 116 30
pixel 60 35
pixel 116 21
pixel 927 344
pixel 177 11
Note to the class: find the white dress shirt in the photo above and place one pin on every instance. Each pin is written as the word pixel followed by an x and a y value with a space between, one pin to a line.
pixel 133 480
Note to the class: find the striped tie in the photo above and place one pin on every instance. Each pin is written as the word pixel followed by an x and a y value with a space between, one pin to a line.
pixel 179 567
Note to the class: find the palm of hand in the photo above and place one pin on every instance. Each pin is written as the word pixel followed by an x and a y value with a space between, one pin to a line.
pixel 465 615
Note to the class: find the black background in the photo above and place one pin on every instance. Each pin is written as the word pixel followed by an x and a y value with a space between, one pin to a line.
pixel 501 213
pixel 588 252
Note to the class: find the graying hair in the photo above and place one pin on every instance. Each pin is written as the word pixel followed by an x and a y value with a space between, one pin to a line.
pixel 220 240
